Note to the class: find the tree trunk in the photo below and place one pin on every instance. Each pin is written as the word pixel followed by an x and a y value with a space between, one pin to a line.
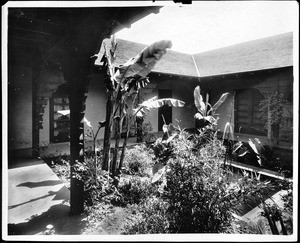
pixel 139 129
pixel 269 127
pixel 118 126
pixel 107 131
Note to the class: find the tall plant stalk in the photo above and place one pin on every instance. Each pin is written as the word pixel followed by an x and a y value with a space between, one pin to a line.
pixel 130 76
pixel 129 123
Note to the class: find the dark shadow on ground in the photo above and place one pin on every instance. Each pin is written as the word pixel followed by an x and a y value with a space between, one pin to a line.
pixel 62 194
pixel 57 215
pixel 31 184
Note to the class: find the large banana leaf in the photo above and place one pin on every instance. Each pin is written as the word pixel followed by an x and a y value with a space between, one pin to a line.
pixel 198 100
pixel 165 101
pixel 220 101
pixel 257 147
pixel 229 131
pixel 154 103
pixel 144 62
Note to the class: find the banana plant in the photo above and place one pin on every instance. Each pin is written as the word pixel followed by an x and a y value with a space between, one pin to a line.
pixel 206 112
pixel 142 109
pixel 258 149
pixel 122 82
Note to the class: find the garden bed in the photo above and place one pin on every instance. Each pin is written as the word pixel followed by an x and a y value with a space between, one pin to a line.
pixel 170 187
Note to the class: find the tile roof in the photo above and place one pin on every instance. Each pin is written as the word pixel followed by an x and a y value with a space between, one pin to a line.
pixel 172 62
pixel 267 53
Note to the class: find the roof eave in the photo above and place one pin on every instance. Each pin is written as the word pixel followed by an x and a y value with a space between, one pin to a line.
pixel 243 72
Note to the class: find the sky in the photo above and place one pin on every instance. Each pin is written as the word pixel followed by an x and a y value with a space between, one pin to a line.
pixel 208 25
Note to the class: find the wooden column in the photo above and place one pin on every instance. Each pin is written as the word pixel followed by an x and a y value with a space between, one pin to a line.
pixel 78 79
pixel 76 101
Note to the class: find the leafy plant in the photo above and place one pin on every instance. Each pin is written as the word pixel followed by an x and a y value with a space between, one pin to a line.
pixel 121 84
pixel 138 161
pixel 135 189
pixel 147 133
pixel 195 189
pixel 150 218
pixel 205 114
pixel 96 186
pixel 272 109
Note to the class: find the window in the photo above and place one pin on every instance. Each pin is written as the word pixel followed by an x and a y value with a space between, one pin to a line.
pixel 247 118
pixel 59 124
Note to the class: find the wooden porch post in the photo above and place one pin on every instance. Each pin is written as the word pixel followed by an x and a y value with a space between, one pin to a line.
pixel 76 101
pixel 78 79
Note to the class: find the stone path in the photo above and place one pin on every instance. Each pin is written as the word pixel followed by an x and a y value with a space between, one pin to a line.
pixel 36 197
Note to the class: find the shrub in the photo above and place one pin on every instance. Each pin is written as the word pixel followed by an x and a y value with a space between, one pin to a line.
pixel 147 133
pixel 196 189
pixel 135 189
pixel 138 161
pixel 195 194
pixel 96 185
pixel 151 218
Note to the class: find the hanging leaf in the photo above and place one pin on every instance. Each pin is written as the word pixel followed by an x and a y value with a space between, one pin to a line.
pixel 144 62
pixel 257 149
pixel 252 145
pixel 157 171
pixel 220 101
pixel 165 101
pixel 154 103
pixel 228 130
pixel 198 100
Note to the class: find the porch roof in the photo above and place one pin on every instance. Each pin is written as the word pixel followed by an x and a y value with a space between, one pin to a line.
pixel 172 62
pixel 267 53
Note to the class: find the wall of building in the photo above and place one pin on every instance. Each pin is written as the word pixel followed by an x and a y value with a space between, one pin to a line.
pixel 95 110
pixel 268 81
pixel 147 93
pixel 19 107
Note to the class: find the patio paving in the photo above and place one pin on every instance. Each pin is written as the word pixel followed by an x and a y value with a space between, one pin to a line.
pixel 37 198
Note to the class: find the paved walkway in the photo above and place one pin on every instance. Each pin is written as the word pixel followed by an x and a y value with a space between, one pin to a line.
pixel 37 198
